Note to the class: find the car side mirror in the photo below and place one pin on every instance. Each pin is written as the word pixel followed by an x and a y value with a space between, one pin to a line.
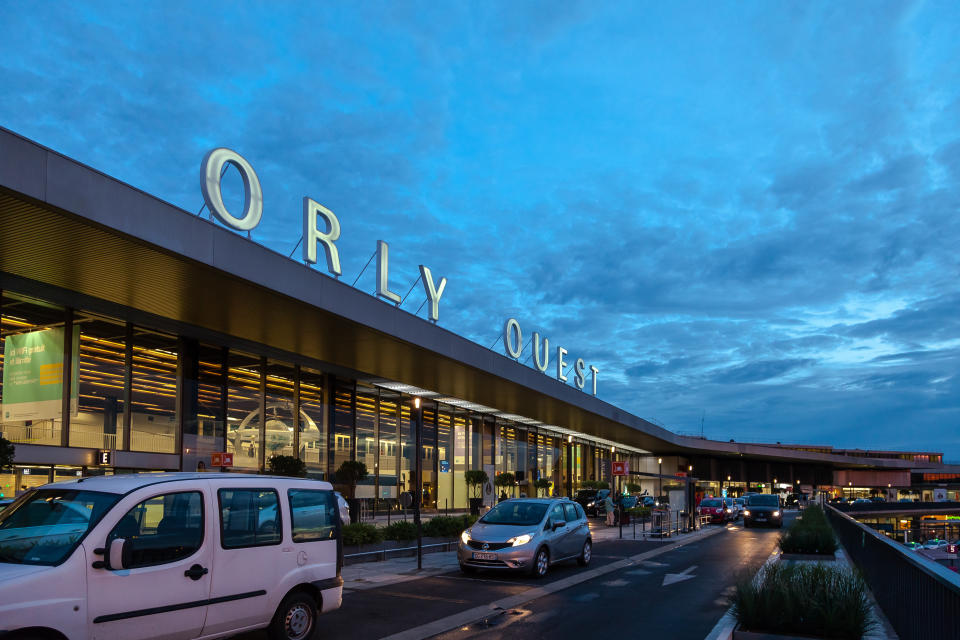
pixel 558 523
pixel 118 554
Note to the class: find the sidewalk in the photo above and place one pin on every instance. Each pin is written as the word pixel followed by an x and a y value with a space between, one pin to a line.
pixel 367 575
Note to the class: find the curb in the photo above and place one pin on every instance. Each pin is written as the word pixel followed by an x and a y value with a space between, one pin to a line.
pixel 478 613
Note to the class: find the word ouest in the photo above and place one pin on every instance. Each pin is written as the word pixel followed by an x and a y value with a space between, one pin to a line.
pixel 210 172
pixel 513 345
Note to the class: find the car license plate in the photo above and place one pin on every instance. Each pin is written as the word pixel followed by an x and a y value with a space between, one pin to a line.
pixel 484 556
pixel 761 517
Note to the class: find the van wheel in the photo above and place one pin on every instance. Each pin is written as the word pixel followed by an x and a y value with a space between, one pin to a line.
pixel 296 618
pixel 584 558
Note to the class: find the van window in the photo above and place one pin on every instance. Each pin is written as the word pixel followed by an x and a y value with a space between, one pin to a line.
pixel 313 515
pixel 249 518
pixel 162 529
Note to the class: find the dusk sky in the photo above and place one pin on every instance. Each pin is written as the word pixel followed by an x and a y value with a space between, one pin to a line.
pixel 741 212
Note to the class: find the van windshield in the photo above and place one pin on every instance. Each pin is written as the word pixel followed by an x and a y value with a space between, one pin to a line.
pixel 46 525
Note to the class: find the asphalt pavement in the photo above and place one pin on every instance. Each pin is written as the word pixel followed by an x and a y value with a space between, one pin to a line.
pixel 675 592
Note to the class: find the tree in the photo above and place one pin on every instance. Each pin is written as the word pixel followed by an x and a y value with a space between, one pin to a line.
pixel 350 473
pixel 6 453
pixel 543 485
pixel 475 479
pixel 505 480
pixel 633 487
pixel 287 466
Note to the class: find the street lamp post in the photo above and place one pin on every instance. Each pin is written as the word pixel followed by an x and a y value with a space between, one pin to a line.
pixel 418 481
pixel 660 479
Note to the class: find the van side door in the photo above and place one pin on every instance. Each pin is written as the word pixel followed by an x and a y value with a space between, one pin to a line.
pixel 247 558
pixel 162 592
pixel 315 532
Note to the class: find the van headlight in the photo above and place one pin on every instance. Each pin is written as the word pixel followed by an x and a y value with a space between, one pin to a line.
pixel 465 537
pixel 776 513
pixel 746 512
pixel 519 540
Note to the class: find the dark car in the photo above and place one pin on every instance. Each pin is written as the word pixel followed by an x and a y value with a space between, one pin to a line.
pixel 587 498
pixel 763 508
pixel 878 499
pixel 792 500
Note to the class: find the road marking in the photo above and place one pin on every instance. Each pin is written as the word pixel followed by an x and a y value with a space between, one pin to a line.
pixel 587 597
pixel 479 612
pixel 616 583
pixel 638 572
pixel 673 578
pixel 649 563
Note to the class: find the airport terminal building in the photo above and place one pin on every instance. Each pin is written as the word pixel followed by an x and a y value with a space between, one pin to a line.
pixel 141 337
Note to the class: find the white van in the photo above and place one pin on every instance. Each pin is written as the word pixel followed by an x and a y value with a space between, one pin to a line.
pixel 169 556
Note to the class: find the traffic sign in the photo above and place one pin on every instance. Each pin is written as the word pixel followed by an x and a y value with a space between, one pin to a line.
pixel 621 468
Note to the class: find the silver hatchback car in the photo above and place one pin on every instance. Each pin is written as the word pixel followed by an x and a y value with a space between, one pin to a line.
pixel 526 534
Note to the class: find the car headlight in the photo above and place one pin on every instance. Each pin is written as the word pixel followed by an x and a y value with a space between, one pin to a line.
pixel 591 504
pixel 465 536
pixel 776 513
pixel 728 510
pixel 746 512
pixel 519 540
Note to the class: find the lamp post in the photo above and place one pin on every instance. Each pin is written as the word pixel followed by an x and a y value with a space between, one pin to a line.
pixel 418 481
pixel 660 479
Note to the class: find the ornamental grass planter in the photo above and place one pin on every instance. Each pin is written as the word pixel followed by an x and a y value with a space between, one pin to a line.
pixel 740 634
pixel 808 557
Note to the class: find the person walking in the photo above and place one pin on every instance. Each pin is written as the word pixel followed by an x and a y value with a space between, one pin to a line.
pixel 610 507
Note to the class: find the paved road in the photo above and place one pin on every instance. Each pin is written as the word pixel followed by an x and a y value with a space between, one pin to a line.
pixel 620 601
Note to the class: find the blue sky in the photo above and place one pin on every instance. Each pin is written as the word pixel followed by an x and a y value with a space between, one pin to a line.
pixel 741 212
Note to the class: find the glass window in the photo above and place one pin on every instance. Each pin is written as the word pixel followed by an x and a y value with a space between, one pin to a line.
pixel 313 434
pixel 313 515
pixel 517 512
pixel 445 458
pixel 45 526
pixel 280 424
pixel 428 454
pixel 102 375
pixel 211 402
pixel 407 444
pixel 366 438
pixel 249 518
pixel 571 512
pixel 163 528
pixel 389 448
pixel 342 423
pixel 461 431
pixel 23 315
pixel 153 401
pixel 243 410
pixel 580 513
pixel 556 513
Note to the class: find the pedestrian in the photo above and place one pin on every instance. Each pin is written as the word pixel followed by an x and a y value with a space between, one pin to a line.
pixel 609 505
pixel 503 495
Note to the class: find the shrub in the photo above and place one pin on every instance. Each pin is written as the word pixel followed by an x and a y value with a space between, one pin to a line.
pixel 639 512
pixel 447 526
pixel 287 466
pixel 804 599
pixel 400 530
pixel 810 533
pixel 357 533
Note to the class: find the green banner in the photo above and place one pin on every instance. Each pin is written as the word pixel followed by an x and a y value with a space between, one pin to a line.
pixel 33 375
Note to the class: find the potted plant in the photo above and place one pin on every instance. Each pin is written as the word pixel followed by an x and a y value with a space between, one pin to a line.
pixel 543 485
pixel 349 474
pixel 504 480
pixel 475 479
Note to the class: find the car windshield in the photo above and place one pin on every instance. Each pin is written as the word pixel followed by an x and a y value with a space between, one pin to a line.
pixel 46 525
pixel 586 493
pixel 710 503
pixel 518 513
pixel 761 500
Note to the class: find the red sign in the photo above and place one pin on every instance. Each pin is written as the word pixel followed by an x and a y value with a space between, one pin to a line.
pixel 951 548
pixel 621 468
pixel 681 474
pixel 221 459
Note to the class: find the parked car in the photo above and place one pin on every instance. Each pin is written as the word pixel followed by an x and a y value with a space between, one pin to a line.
pixel 343 507
pixel 763 509
pixel 600 502
pixel 715 509
pixel 527 534
pixel 629 502
pixel 732 508
pixel 878 500
pixel 648 501
pixel 5 502
pixel 905 500
pixel 913 546
pixel 862 501
pixel 936 543
pixel 170 555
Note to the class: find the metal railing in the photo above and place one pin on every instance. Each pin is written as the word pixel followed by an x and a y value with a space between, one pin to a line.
pixel 919 597
pixel 381 554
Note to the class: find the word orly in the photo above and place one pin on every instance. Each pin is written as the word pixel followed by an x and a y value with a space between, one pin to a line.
pixel 211 170
pixel 513 345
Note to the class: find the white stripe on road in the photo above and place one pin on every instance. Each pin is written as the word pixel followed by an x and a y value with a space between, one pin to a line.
pixel 478 613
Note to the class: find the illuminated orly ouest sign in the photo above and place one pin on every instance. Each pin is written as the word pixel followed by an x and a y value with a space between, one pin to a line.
pixel 513 346
pixel 210 173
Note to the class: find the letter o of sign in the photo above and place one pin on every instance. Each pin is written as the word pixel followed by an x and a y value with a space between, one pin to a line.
pixel 510 330
pixel 210 171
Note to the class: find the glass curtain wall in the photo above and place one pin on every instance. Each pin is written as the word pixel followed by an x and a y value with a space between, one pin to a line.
pixel 389 444
pixel 243 410
pixel 102 375
pixel 313 435
pixel 211 398
pixel 407 445
pixel 461 437
pixel 343 413
pixel 366 421
pixel 429 455
pixel 444 458
pixel 280 422
pixel 153 417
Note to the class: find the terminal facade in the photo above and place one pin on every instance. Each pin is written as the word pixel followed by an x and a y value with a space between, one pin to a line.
pixel 140 337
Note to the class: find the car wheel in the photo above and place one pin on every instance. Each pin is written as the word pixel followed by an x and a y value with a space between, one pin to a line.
pixel 468 570
pixel 296 618
pixel 586 554
pixel 541 563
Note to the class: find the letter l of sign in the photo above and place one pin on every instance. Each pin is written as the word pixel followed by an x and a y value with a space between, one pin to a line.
pixel 383 287
pixel 433 293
